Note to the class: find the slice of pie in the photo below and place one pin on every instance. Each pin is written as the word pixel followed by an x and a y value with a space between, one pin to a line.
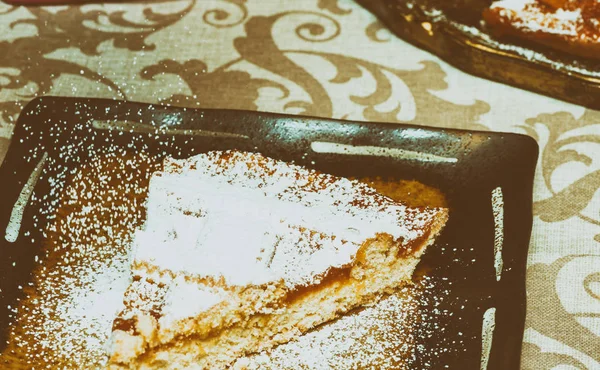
pixel 572 26
pixel 240 252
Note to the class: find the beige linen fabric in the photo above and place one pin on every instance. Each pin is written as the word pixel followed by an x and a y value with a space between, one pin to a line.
pixel 332 59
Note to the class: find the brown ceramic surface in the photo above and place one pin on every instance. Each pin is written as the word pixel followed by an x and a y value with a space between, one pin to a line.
pixel 465 165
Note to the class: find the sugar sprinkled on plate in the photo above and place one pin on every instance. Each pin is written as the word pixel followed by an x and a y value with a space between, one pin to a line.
pixel 83 268
pixel 68 318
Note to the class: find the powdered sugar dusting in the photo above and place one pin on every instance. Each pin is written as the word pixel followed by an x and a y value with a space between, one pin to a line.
pixel 515 5
pixel 66 318
pixel 288 223
pixel 529 16
pixel 179 303
pixel 389 335
pixel 480 37
pixel 82 318
pixel 70 321
pixel 377 337
pixel 86 266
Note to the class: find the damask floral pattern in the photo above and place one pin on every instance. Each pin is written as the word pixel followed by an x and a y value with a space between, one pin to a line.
pixel 24 63
pixel 329 58
pixel 571 322
pixel 565 136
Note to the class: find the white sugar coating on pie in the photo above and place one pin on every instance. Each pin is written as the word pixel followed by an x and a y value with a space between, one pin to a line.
pixel 530 16
pixel 570 26
pixel 232 236
pixel 236 221
pixel 252 220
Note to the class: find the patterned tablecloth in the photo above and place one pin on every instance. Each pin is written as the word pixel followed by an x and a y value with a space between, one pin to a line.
pixel 332 59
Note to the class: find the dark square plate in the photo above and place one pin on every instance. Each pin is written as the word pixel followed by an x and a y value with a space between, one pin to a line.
pixel 453 31
pixel 480 259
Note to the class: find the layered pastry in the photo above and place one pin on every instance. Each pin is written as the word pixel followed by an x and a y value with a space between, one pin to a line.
pixel 572 26
pixel 240 252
